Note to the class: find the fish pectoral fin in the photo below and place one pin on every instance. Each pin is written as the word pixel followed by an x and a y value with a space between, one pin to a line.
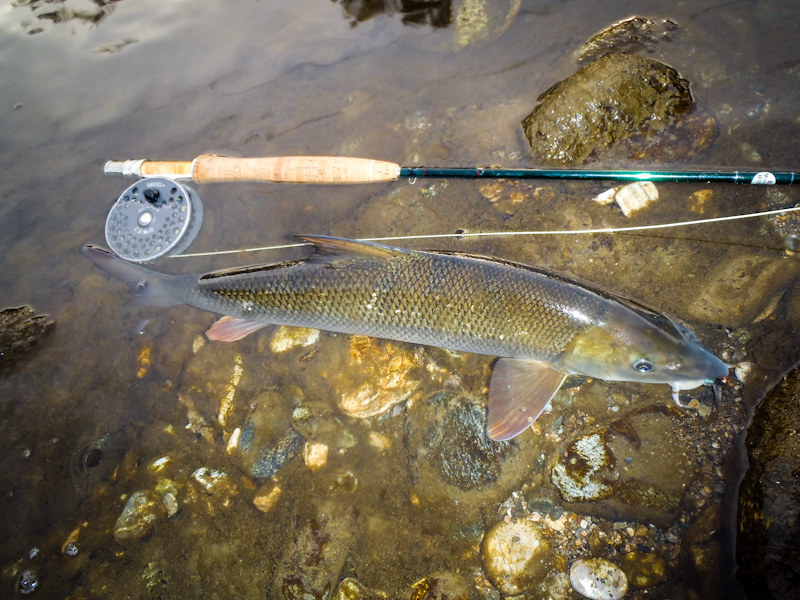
pixel 518 392
pixel 332 250
pixel 230 329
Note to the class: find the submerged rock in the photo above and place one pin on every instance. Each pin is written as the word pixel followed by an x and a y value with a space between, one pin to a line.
pixel 267 440
pixel 644 569
pixel 351 589
pixel 20 330
pixel 381 374
pixel 439 586
pixel 583 474
pixel 620 107
pixel 266 497
pixel 138 517
pixel 632 467
pixel 314 557
pixel 631 197
pixel 515 555
pixel 288 338
pixel 449 435
pixel 598 579
pixel 767 551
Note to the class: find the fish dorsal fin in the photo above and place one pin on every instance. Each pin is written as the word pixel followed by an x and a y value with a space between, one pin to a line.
pixel 230 329
pixel 333 250
pixel 661 321
pixel 518 392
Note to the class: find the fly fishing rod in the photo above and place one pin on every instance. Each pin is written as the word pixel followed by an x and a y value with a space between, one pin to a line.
pixel 342 170
pixel 160 214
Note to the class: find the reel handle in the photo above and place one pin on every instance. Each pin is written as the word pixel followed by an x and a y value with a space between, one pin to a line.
pixel 286 169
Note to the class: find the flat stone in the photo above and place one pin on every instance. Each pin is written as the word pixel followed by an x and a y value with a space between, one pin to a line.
pixel 598 579
pixel 515 555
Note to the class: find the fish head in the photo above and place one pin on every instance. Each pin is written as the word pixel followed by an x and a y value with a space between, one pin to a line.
pixel 629 344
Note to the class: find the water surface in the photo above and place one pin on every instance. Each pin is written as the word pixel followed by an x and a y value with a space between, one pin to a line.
pixel 172 80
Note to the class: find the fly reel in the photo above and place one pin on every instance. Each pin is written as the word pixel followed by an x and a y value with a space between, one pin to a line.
pixel 153 217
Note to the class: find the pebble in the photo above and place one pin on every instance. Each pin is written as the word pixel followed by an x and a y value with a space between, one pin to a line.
pixel 515 556
pixel 598 579
pixel 286 338
pixel 315 455
pixel 379 441
pixel 138 517
pixel 631 197
pixel 207 478
pixel 351 589
pixel 266 497
pixel 170 503
pixel 391 381
pixel 744 372
pixel 438 586
pixel 644 569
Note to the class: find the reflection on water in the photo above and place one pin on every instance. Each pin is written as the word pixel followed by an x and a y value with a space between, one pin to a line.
pixel 436 13
pixel 145 460
pixel 63 11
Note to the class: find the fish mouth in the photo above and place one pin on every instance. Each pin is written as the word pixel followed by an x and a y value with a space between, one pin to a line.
pixel 718 368
pixel 705 366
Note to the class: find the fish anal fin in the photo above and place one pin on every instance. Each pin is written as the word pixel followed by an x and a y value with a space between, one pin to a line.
pixel 518 392
pixel 332 249
pixel 230 329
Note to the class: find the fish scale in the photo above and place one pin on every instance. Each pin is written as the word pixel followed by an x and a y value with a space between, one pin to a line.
pixel 462 302
pixel 542 326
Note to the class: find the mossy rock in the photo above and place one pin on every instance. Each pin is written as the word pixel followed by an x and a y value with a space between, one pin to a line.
pixel 621 107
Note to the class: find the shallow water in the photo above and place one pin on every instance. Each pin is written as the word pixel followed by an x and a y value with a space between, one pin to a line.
pixel 173 80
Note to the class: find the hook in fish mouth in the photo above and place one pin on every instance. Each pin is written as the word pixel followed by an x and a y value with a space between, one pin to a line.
pixel 690 385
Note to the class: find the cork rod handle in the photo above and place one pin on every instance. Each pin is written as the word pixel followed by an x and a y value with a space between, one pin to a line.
pixel 293 169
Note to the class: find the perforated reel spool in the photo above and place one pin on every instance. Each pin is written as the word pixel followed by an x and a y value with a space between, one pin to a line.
pixel 153 217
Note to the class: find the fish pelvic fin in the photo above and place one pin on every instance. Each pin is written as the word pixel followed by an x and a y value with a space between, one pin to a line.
pixel 333 250
pixel 231 329
pixel 147 287
pixel 518 392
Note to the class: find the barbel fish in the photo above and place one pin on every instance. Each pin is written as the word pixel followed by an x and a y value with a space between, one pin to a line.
pixel 542 326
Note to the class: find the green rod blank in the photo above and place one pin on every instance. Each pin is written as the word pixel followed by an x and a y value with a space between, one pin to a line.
pixel 741 177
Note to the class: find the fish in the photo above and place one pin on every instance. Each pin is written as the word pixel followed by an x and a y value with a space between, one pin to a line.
pixel 542 326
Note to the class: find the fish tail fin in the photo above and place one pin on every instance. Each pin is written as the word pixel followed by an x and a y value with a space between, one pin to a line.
pixel 147 287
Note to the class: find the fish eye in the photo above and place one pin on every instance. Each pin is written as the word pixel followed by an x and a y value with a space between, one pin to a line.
pixel 643 366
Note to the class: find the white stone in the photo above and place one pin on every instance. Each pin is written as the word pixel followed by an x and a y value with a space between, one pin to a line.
pixel 515 556
pixel 635 196
pixel 598 579
pixel 606 197
pixel 744 371
pixel 315 455
pixel 379 441
pixel 170 503
pixel 631 197
pixel 286 338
